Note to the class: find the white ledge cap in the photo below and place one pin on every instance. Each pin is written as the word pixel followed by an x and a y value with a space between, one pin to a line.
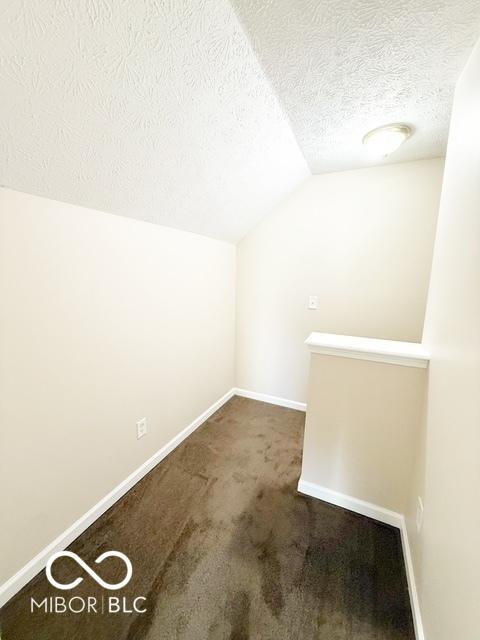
pixel 408 354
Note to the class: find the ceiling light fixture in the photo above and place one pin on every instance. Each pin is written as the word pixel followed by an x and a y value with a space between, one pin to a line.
pixel 384 140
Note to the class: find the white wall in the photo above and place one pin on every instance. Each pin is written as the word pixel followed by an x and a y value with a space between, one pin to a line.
pixel 104 320
pixel 361 428
pixel 362 241
pixel 447 552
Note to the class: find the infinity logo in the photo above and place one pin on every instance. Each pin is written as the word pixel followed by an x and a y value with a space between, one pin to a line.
pixel 95 576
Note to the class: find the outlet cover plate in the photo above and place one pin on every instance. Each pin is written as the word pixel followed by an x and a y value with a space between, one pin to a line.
pixel 419 519
pixel 141 428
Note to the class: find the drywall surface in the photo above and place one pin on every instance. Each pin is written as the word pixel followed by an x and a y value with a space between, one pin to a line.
pixel 362 427
pixel 105 320
pixel 154 110
pixel 446 553
pixel 362 242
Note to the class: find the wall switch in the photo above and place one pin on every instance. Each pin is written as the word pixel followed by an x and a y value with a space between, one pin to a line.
pixel 141 428
pixel 313 302
pixel 419 514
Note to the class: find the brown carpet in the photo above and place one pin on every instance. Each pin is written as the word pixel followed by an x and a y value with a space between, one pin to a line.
pixel 224 547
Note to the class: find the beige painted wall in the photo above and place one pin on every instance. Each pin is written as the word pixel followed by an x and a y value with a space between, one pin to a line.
pixel 362 428
pixel 447 552
pixel 362 242
pixel 104 320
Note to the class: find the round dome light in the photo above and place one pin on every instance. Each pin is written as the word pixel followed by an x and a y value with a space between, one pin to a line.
pixel 384 140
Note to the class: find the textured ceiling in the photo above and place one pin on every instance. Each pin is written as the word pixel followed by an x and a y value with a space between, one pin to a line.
pixel 343 67
pixel 190 114
pixel 154 109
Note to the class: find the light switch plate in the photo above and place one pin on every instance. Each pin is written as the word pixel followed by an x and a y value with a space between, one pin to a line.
pixel 313 302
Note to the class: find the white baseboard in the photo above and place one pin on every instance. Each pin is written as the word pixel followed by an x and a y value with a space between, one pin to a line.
pixel 30 570
pixel 353 504
pixel 382 515
pixel 12 586
pixel 412 587
pixel 263 397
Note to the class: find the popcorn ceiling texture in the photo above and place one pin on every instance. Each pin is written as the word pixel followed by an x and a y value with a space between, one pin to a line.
pixel 153 109
pixel 343 67
pixel 162 110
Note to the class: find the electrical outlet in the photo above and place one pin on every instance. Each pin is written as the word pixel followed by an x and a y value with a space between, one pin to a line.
pixel 419 514
pixel 313 302
pixel 141 428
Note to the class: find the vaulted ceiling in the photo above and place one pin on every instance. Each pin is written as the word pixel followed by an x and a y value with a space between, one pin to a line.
pixel 154 109
pixel 343 67
pixel 200 115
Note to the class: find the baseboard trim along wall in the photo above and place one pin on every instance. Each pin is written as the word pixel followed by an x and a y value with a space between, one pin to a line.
pixel 353 504
pixel 30 570
pixel 382 515
pixel 23 576
pixel 412 587
pixel 263 397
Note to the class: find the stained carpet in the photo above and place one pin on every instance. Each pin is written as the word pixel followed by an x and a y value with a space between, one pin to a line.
pixel 223 547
